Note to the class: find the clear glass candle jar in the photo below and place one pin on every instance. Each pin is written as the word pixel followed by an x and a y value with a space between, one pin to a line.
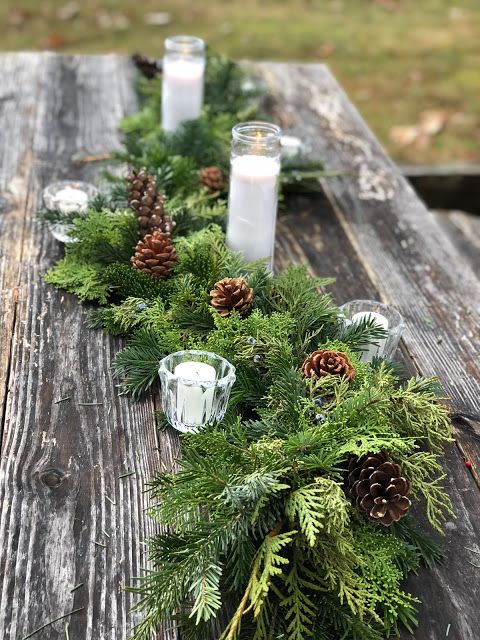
pixel 385 317
pixel 196 387
pixel 182 80
pixel 253 195
pixel 67 197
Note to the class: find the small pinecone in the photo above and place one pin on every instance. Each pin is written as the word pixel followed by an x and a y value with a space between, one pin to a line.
pixel 231 294
pixel 149 67
pixel 147 203
pixel 212 179
pixel 155 255
pixel 376 484
pixel 325 362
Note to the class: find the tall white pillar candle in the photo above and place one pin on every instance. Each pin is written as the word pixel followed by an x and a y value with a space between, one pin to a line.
pixel 373 351
pixel 253 195
pixel 194 402
pixel 183 80
pixel 252 206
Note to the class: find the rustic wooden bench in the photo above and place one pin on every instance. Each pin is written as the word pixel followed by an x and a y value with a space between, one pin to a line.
pixel 72 516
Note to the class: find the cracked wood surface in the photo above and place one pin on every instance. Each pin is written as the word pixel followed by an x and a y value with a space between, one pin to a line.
pixel 60 462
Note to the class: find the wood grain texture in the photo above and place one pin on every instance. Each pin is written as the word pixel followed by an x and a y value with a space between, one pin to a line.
pixel 61 461
pixel 413 263
pixel 314 234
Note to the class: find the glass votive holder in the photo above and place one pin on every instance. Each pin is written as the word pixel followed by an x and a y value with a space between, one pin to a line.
pixel 253 195
pixel 385 317
pixel 67 197
pixel 182 80
pixel 196 388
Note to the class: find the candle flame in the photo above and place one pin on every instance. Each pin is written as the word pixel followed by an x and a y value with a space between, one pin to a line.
pixel 258 136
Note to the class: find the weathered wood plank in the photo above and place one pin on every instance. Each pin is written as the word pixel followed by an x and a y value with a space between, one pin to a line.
pixel 314 234
pixel 61 462
pixel 411 260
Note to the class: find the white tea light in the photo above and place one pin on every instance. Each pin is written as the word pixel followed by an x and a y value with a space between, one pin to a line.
pixel 253 194
pixel 373 351
pixel 70 199
pixel 183 80
pixel 67 196
pixel 194 401
pixel 196 387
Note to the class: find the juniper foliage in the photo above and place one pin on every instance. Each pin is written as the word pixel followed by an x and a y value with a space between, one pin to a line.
pixel 256 515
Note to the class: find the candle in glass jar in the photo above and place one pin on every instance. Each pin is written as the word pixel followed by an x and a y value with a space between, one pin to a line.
pixel 373 351
pixel 70 199
pixel 183 80
pixel 194 401
pixel 253 194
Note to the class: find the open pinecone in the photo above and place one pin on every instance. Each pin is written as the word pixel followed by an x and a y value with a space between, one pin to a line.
pixel 212 179
pixel 376 484
pixel 155 255
pixel 149 67
pixel 326 362
pixel 147 202
pixel 231 294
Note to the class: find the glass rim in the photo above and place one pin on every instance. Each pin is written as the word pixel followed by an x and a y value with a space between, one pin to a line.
pixel 389 310
pixel 249 132
pixel 225 379
pixel 184 44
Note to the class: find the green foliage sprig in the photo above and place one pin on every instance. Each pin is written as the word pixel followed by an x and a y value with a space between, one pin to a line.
pixel 256 518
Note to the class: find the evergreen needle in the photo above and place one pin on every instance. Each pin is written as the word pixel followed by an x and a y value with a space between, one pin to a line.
pixel 110 500
pixel 67 635
pixel 126 475
pixel 63 399
pixel 47 624
pixel 77 586
pixel 100 544
pixel 106 533
pixel 448 630
pixel 89 404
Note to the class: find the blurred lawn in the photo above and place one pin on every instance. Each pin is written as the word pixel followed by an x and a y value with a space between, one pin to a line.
pixel 411 66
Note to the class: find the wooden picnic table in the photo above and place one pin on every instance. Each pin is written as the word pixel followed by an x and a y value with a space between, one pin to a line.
pixel 62 462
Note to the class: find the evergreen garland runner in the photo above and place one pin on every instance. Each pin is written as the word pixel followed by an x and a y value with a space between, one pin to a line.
pixel 294 511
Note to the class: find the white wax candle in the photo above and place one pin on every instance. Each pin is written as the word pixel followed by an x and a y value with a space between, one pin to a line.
pixel 182 91
pixel 194 403
pixel 252 206
pixel 70 199
pixel 372 351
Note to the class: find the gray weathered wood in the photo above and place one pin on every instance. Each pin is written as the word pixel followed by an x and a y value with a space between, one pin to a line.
pixel 60 461
pixel 313 233
pixel 413 263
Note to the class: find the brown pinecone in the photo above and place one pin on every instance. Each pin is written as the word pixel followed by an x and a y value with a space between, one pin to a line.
pixel 231 294
pixel 326 362
pixel 212 179
pixel 149 67
pixel 155 255
pixel 376 484
pixel 147 203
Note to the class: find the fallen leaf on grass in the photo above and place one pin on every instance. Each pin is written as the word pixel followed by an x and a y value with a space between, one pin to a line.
pixel 403 135
pixel 68 11
pixel 115 20
pixel 55 41
pixel 157 18
pixel 431 123
pixel 17 17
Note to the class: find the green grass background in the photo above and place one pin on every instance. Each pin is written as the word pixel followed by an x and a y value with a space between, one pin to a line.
pixel 396 58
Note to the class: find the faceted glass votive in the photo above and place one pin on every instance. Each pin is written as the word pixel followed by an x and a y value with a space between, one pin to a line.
pixel 196 388
pixel 182 80
pixel 385 317
pixel 253 195
pixel 67 196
